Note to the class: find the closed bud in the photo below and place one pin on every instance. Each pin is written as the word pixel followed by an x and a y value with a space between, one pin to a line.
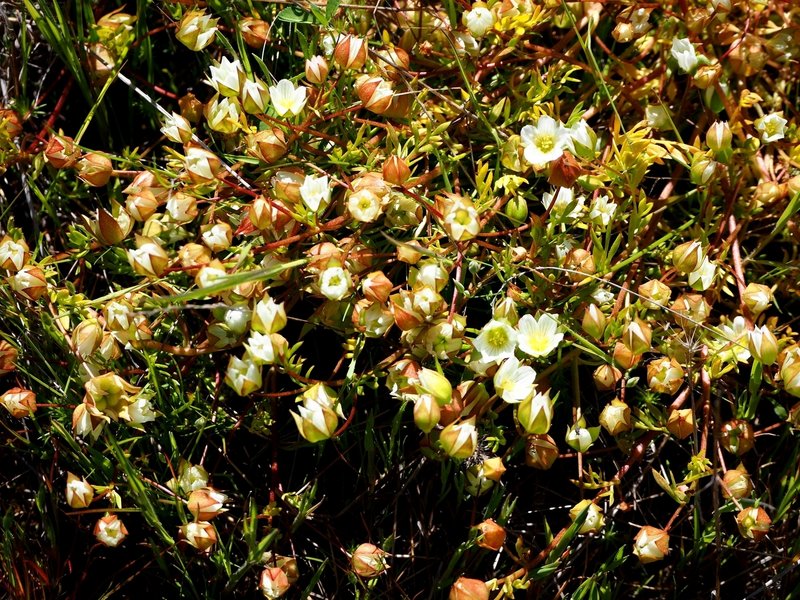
pixel 736 483
pixel 194 256
pixel 616 417
pixel 651 544
pixel 10 122
pixel 177 129
pixel 217 237
pixel 606 377
pixel 719 136
pixel 790 375
pixel 540 451
pixel 19 402
pixel 753 523
pixel 492 536
pixel 396 170
pixel 79 492
pixel 86 337
pixel 434 383
pixel 269 316
pixel 737 436
pixel 95 169
pixel 243 375
pixel 535 413
pixel 196 30
pixel 763 345
pixel 459 440
pixel 664 375
pixel 375 93
pixel 623 32
pixel 368 561
pixel 8 357
pixel 516 209
pixel 493 468
pixel 703 169
pixel 468 589
pixel 376 287
pixel 687 257
pixel 594 516
pixel 199 534
pixel 255 32
pixel 14 254
pixel 757 297
pixel 149 258
pixel 273 583
pixel 254 96
pixel 637 337
pixel 61 151
pixel 427 412
pixel 29 281
pixel 656 293
pixel 350 52
pixel 581 263
pixel 707 76
pixel 201 165
pixel 286 185
pixel 317 70
pixel 110 531
pixel 206 503
pixel 624 357
pixel 680 423
pixel 594 321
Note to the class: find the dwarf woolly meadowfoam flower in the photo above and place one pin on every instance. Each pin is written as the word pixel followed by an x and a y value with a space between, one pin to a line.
pixel 315 192
pixel 684 53
pixel 771 127
pixel 514 382
pixel 286 98
pixel 496 341
pixel 538 336
pixel 564 203
pixel 602 211
pixel 545 141
pixel 479 20
pixel 335 283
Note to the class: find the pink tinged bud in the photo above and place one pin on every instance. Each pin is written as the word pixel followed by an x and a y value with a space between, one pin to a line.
pixel 753 523
pixel 273 582
pixel 95 169
pixel 616 417
pixel 468 589
pixel 540 451
pixel 350 52
pixel 763 345
pixel 492 535
pixel 427 413
pixel 687 257
pixel 19 402
pixel 206 503
pixel 110 531
pixel 376 287
pixel 680 423
pixel 459 440
pixel 29 281
pixel 594 521
pixel 665 375
pixel 79 492
pixel 395 170
pixel 317 70
pixel 199 534
pixel 737 484
pixel 651 544
pixel 368 561
pixel 737 436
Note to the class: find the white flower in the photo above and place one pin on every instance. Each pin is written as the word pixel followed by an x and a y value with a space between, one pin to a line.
pixel 254 96
pixel 496 341
pixel 335 283
pixel 602 211
pixel 243 375
pixel 227 77
pixel 190 478
pixel 514 382
pixel 658 117
pixel 733 341
pixel 110 531
pixel 223 114
pixel 539 336
pixel 771 127
pixel 13 252
pixel 196 30
pixel 315 192
pixel 579 437
pixel 237 318
pixel 703 276
pixel 479 20
pixel 209 276
pixel 218 237
pixel 364 205
pixel 462 221
pixel 535 413
pixel 640 20
pixel 177 129
pixel 141 411
pixel 582 140
pixel 269 316
pixel 683 52
pixel 260 348
pixel 545 141
pixel 286 98
pixel 564 199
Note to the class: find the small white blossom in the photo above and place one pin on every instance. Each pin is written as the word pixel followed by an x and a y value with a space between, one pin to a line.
pixel 539 336
pixel 564 200
pixel 364 205
pixel 545 141
pixel 514 382
pixel 286 98
pixel 260 348
pixel 771 127
pixel 703 276
pixel 141 411
pixel 479 20
pixel 315 192
pixel 496 341
pixel 226 77
pixel 177 129
pixel 684 53
pixel 335 283
pixel 602 211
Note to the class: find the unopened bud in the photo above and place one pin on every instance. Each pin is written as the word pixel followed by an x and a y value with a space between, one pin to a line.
pixel 375 93
pixel 703 170
pixel 492 535
pixel 8 357
pixel 468 589
pixel 79 492
pixel 688 256
pixel 376 287
pixel 616 417
pixel 624 357
pixel 707 76
pixel 763 345
pixel 606 377
pixel 14 254
pixel 396 170
pixel 350 52
pixel 199 534
pixel 493 468
pixel 757 297
pixel 427 412
pixel 29 281
pixel 460 440
pixel 737 436
pixel 656 293
pixel 61 151
pixel 594 321
pixel 255 32
pixel 736 483
pixel 10 122
pixel 95 169
pixel 317 70
pixel 541 451
pixel 637 337
pixel 651 544
pixel 719 136
pixel 368 561
pixel 273 582
pixel 680 422
pixel 206 503
pixel 86 337
pixel 753 523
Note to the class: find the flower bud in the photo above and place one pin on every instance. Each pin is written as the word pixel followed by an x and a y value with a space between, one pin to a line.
pixel 194 256
pixel 624 357
pixel 637 337
pixel 594 321
pixel 737 436
pixel 763 345
pixel 273 583
pixel 606 377
pixel 10 122
pixel 191 108
pixel 224 114
pixel 492 535
pixel 516 209
pixel 149 258
pixel 459 440
pixel 376 287
pixel 753 523
pixel 616 417
pixel 396 170
pixel 217 237
pixel 581 264
pixel 196 30
pixel 757 297
pixel 86 337
pixel 199 534
pixel 540 451
pixel 375 93
pixel 254 96
pixel 656 293
pixel 243 375
pixel 680 422
pixel 317 70
pixel 479 20
pixel 110 531
pixel 201 165
pixel 206 503
pixel 594 516
pixel 350 52
pixel 8 357
pixel 736 483
pixel 269 316
pixel 427 413
pixel 177 129
pixel 535 413
pixel 664 375
pixel 434 383
pixel 703 169
pixel 19 402
pixel 286 185
pixel 368 561
pixel 14 254
pixel 61 151
pixel 493 468
pixel 29 281
pixel 719 136
pixel 651 544
pixel 707 76
pixel 95 169
pixel 79 492
pixel 790 375
pixel 687 257
pixel 110 228
pixel 255 32
pixel 468 589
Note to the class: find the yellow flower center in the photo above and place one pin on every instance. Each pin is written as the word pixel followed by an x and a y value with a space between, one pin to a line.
pixel 545 142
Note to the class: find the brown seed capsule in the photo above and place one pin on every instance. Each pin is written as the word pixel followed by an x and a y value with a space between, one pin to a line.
pixel 255 32
pixel 61 151
pixel 540 451
pixel 736 483
pixel 19 402
pixel 368 561
pixel 737 436
pixel 468 589
pixel 396 170
pixel 95 169
pixel 606 377
pixel 492 535
pixel 680 423
pixel 753 523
